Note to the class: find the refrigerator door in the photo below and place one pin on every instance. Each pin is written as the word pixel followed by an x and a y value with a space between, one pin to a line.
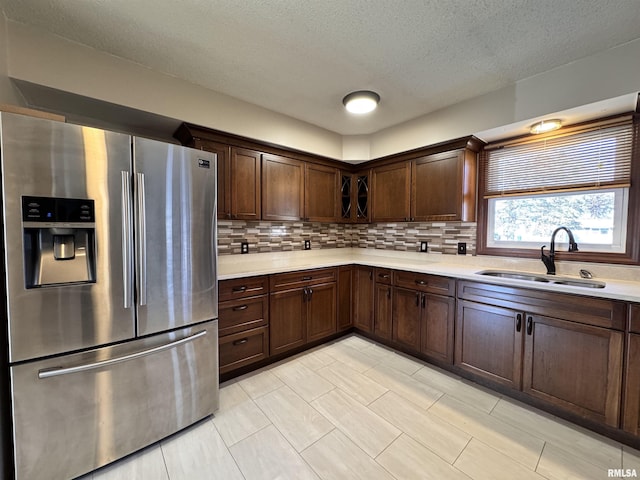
pixel 175 199
pixel 75 413
pixel 41 158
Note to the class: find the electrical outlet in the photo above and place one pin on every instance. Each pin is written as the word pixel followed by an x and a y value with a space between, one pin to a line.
pixel 462 248
pixel 307 244
pixel 423 247
pixel 244 247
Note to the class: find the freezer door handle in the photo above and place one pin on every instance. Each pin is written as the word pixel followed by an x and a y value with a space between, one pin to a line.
pixel 127 241
pixel 142 240
pixel 55 372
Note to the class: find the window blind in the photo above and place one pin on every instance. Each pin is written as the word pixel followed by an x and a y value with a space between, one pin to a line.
pixel 594 157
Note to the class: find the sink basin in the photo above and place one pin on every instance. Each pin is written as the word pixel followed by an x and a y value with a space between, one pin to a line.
pixel 533 277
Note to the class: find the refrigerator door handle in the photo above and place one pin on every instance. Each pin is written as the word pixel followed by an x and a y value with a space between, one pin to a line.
pixel 142 240
pixel 127 241
pixel 55 372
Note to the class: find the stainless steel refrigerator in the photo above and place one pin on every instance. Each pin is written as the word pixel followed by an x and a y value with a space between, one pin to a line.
pixel 111 293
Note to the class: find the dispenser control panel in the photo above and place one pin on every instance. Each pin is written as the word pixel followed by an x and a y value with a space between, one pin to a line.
pixel 65 210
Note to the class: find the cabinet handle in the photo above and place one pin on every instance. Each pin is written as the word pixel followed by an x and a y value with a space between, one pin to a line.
pixel 424 300
pixel 529 325
pixel 305 294
pixel 240 308
pixel 384 275
pixel 307 278
pixel 239 289
pixel 417 299
pixel 421 282
pixel 310 294
pixel 518 322
pixel 370 275
pixel 388 292
pixel 241 341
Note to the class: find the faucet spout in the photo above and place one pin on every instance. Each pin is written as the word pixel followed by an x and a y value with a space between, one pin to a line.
pixel 549 260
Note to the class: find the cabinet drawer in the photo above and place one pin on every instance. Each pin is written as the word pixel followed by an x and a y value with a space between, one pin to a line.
pixel 243 348
pixel 303 278
pixel 634 318
pixel 426 283
pixel 242 287
pixel 383 275
pixel 243 313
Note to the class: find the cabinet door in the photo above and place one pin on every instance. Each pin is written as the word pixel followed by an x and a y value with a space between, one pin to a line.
pixel 407 311
pixel 321 185
pixel 391 193
pixel 576 367
pixel 489 342
pixel 631 420
pixel 364 297
pixel 245 184
pixel 287 318
pixel 361 213
pixel 383 313
pixel 437 327
pixel 345 303
pixel 321 311
pixel 435 187
pixel 282 188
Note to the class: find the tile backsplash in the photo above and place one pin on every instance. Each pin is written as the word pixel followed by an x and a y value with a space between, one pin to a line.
pixel 442 237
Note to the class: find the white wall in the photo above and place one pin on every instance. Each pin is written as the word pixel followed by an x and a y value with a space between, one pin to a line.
pixel 52 61
pixel 44 59
pixel 609 74
pixel 8 94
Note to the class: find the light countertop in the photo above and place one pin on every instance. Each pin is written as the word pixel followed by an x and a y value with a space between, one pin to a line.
pixel 622 282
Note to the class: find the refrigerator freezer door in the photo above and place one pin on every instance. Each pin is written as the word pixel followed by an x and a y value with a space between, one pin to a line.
pixel 75 413
pixel 175 235
pixel 41 158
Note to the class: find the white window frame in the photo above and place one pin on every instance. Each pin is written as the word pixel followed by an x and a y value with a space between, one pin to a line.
pixel 618 245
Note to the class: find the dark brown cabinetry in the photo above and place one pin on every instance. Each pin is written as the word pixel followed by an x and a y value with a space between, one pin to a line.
pixel 282 188
pixel 296 190
pixel 440 186
pixel 382 314
pixel 354 197
pixel 345 297
pixel 424 314
pixel 302 308
pixel 563 349
pixel 631 419
pixel 443 186
pixel 363 292
pixel 238 180
pixel 243 322
pixel 391 192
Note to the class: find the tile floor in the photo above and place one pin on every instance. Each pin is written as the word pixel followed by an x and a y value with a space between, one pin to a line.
pixel 353 409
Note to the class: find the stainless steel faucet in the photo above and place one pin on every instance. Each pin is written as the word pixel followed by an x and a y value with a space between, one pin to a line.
pixel 548 260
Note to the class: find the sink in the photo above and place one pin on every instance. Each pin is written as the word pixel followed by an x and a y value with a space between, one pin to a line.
pixel 533 277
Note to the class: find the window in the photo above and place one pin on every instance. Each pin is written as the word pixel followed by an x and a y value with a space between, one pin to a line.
pixel 579 178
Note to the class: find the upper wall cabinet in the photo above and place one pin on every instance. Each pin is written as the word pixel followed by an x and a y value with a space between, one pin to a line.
pixel 296 190
pixel 436 187
pixel 443 186
pixel 354 197
pixel 391 193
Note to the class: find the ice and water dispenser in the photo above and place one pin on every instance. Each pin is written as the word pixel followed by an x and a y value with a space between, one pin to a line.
pixel 59 241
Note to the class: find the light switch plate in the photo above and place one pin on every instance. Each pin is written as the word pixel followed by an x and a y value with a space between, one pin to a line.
pixel 424 246
pixel 244 247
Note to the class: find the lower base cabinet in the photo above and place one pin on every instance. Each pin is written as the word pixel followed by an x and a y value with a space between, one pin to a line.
pixel 302 308
pixel 244 348
pixel 573 363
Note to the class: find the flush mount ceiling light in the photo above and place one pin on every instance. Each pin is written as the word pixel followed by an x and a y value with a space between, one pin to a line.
pixel 545 126
pixel 363 101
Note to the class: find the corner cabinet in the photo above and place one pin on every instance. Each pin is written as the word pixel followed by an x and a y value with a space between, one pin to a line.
pixel 363 293
pixel 566 350
pixel 354 197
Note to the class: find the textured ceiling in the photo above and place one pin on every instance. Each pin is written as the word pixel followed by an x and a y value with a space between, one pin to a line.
pixel 300 57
